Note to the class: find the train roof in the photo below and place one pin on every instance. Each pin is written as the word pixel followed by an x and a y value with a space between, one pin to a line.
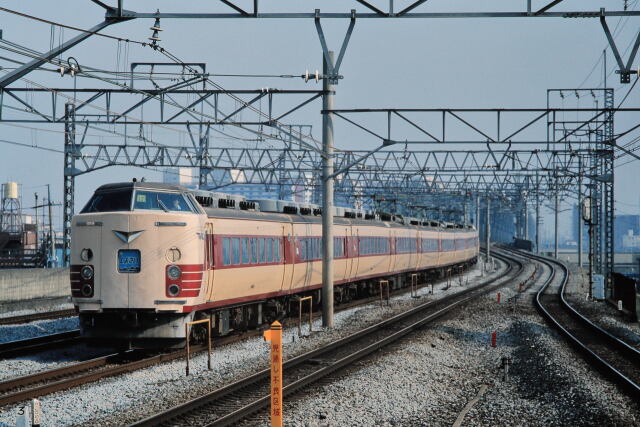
pixel 141 184
pixel 314 219
pixel 255 210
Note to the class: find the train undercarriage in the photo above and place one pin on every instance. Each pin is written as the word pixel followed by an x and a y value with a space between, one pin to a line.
pixel 151 329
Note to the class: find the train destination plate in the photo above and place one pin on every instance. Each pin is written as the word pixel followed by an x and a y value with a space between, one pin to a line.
pixel 128 261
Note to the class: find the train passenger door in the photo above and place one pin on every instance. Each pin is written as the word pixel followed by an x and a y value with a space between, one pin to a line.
pixel 288 258
pixel 208 261
pixel 354 241
pixel 439 236
pixel 392 250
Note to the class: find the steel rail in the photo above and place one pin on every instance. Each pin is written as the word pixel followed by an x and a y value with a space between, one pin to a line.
pixel 252 383
pixel 37 316
pixel 63 378
pixel 37 344
pixel 76 374
pixel 599 361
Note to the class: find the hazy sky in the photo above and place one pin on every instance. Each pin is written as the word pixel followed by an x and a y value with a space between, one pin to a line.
pixel 465 63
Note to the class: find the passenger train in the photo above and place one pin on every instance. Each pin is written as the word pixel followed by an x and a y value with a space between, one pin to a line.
pixel 147 258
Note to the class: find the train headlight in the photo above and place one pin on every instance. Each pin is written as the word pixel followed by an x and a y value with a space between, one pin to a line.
pixel 174 290
pixel 87 272
pixel 86 290
pixel 86 255
pixel 174 272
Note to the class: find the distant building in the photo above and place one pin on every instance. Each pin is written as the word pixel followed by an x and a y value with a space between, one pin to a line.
pixel 235 182
pixel 186 177
pixel 627 233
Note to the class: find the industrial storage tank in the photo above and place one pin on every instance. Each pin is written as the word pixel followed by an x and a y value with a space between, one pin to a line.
pixel 11 190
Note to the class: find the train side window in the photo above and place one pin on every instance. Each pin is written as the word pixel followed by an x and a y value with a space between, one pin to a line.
pixel 254 250
pixel 309 255
pixel 312 248
pixel 276 250
pixel 269 250
pixel 263 250
pixel 236 250
pixel 316 248
pixel 245 251
pixel 226 251
pixel 303 249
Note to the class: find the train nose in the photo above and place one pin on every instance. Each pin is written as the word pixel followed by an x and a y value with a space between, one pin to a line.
pixel 117 262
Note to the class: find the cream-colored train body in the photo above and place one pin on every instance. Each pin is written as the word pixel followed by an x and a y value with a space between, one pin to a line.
pixel 147 258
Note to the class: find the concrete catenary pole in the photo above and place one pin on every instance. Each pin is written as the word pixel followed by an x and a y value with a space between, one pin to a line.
pixel 487 234
pixel 37 225
pixel 555 233
pixel 580 201
pixel 538 222
pixel 537 214
pixel 52 236
pixel 526 220
pixel 477 221
pixel 328 86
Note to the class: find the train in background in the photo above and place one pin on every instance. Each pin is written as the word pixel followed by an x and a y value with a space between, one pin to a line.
pixel 523 244
pixel 147 258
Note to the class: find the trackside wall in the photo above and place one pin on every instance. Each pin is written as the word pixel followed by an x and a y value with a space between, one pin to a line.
pixel 33 283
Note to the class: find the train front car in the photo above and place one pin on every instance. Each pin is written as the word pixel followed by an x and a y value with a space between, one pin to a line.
pixel 136 258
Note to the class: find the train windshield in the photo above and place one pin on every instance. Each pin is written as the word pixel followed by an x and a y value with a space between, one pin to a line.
pixel 161 201
pixel 112 201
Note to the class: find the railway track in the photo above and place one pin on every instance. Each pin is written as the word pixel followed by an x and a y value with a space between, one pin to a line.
pixel 39 344
pixel 76 374
pixel 613 357
pixel 239 400
pixel 37 316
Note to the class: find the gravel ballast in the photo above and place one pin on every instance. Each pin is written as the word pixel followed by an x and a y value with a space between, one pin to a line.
pixel 40 305
pixel 429 378
pixel 599 312
pixel 37 328
pixel 127 398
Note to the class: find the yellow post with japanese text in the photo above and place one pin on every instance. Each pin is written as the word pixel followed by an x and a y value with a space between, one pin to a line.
pixel 275 336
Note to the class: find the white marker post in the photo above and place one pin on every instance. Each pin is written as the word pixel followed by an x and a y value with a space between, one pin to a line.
pixel 36 413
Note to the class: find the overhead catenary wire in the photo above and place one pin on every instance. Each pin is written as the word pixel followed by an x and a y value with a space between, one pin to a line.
pixel 155 47
pixel 300 136
pixel 69 98
pixel 177 60
pixel 142 92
